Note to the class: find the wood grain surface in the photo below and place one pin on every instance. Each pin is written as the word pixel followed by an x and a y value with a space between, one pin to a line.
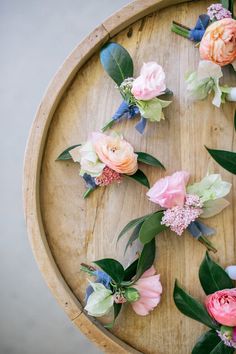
pixel 66 230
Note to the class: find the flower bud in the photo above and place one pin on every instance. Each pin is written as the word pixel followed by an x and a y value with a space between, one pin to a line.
pixel 227 332
pixel 131 294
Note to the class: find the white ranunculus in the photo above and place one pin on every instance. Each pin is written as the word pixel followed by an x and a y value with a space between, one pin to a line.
pixel 100 301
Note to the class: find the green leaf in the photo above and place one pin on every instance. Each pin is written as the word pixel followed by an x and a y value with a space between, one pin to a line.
pixel 221 348
pixel 134 235
pixel 140 177
pixel 226 159
pixel 149 159
pixel 116 308
pixel 207 342
pixel 146 258
pixel 112 268
pixel 132 224
pixel 235 120
pixel 151 227
pixel 191 307
pixel 225 4
pixel 213 277
pixel 131 271
pixel 117 62
pixel 65 154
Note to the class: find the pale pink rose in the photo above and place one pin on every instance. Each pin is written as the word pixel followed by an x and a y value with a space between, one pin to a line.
pixel 150 83
pixel 170 191
pixel 150 289
pixel 219 42
pixel 115 153
pixel 221 305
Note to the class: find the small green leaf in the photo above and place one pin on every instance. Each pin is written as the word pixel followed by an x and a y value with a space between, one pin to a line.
pixel 131 271
pixel 151 227
pixel 65 154
pixel 213 277
pixel 221 348
pixel 117 62
pixel 140 177
pixel 112 268
pixel 191 307
pixel 133 236
pixel 132 224
pixel 207 342
pixel 149 159
pixel 146 258
pixel 225 4
pixel 226 159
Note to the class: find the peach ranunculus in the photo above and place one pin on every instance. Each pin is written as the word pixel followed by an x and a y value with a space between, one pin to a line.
pixel 170 191
pixel 221 305
pixel 150 83
pixel 150 290
pixel 115 152
pixel 219 42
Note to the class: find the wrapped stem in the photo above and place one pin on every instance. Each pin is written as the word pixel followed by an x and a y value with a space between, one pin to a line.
pixel 204 240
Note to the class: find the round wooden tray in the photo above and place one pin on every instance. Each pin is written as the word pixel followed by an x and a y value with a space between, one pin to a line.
pixel 66 230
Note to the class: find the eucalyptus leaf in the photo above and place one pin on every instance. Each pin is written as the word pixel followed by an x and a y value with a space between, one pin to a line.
pixel 226 159
pixel 225 4
pixel 131 271
pixel 133 236
pixel 149 159
pixel 207 342
pixel 213 277
pixel 151 227
pixel 146 258
pixel 112 268
pixel 221 348
pixel 131 225
pixel 117 62
pixel 140 177
pixel 191 307
pixel 65 155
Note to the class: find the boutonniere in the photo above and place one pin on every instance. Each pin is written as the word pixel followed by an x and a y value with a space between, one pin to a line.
pixel 215 33
pixel 181 205
pixel 113 286
pixel 106 159
pixel 218 311
pixel 144 96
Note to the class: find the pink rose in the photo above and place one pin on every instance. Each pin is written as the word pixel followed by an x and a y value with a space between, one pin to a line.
pixel 115 153
pixel 150 83
pixel 222 306
pixel 170 191
pixel 150 289
pixel 219 42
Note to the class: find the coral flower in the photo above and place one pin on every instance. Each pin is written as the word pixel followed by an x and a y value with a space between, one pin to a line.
pixel 219 42
pixel 150 289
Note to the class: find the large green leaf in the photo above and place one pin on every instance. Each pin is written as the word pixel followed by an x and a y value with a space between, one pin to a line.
pixel 149 159
pixel 131 225
pixel 221 348
pixel 112 268
pixel 65 154
pixel 226 159
pixel 117 62
pixel 131 271
pixel 140 177
pixel 191 307
pixel 151 227
pixel 146 258
pixel 207 342
pixel 213 277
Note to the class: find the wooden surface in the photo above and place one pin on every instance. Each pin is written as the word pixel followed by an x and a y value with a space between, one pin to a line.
pixel 66 230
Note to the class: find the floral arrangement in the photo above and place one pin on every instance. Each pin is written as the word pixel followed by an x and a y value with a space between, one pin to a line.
pixel 181 206
pixel 215 33
pixel 114 286
pixel 218 311
pixel 144 95
pixel 105 159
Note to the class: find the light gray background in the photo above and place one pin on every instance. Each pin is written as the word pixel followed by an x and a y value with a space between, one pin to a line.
pixel 36 36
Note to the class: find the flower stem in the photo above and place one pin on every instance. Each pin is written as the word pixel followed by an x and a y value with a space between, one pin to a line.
pixel 180 30
pixel 87 269
pixel 108 125
pixel 204 240
pixel 88 191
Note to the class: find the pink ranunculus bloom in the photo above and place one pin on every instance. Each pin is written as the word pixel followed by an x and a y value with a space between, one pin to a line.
pixel 150 83
pixel 150 290
pixel 115 152
pixel 221 305
pixel 219 42
pixel 170 191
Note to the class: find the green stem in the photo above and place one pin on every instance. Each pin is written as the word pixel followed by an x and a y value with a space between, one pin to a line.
pixel 108 125
pixel 204 240
pixel 180 31
pixel 88 191
pixel 87 269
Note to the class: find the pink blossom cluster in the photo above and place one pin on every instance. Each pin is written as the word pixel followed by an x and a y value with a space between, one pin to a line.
pixel 179 218
pixel 218 12
pixel 107 177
